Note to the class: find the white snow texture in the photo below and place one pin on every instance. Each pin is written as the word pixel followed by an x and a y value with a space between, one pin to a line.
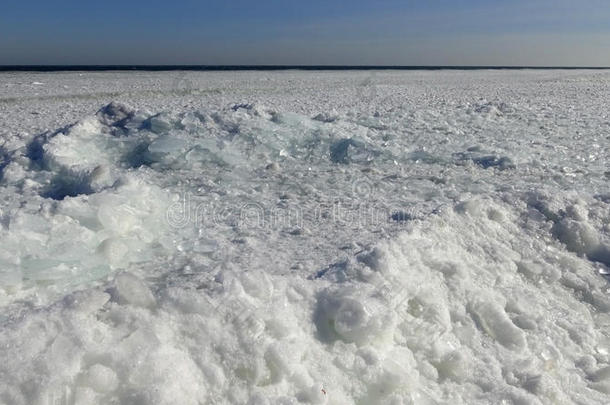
pixel 305 237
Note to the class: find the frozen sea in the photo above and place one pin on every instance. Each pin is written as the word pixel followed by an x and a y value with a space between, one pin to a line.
pixel 324 237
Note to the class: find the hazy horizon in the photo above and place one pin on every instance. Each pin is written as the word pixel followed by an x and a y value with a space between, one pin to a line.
pixel 468 33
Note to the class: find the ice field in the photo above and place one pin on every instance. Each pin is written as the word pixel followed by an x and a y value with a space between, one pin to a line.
pixel 362 237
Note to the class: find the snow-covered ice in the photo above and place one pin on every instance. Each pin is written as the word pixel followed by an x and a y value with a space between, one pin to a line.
pixel 305 237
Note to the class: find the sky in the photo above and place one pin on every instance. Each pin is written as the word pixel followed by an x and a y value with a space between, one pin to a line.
pixel 306 32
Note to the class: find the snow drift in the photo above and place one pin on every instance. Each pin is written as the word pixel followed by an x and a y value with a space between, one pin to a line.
pixel 251 255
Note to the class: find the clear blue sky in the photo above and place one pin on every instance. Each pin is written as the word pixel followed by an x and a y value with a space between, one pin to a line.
pixel 381 32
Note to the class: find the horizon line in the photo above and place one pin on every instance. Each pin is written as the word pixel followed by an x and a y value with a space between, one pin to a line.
pixel 150 67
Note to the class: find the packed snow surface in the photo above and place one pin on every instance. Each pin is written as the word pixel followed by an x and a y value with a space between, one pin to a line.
pixel 305 237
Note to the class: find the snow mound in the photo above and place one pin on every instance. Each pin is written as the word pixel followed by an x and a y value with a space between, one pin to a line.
pixel 404 320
